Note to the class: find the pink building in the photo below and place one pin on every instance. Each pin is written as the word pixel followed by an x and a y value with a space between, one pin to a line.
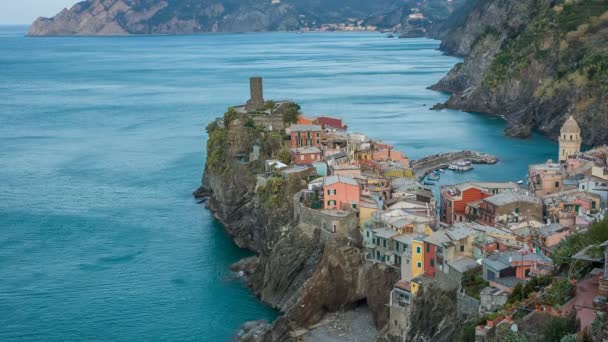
pixel 388 153
pixel 306 155
pixel 341 192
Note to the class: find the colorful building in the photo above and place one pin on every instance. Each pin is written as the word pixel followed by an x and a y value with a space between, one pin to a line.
pixel 305 135
pixel 328 122
pixel 341 192
pixel 509 207
pixel 455 198
pixel 504 270
pixel 306 155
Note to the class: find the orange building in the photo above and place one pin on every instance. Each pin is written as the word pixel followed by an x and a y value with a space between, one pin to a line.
pixel 454 200
pixel 341 192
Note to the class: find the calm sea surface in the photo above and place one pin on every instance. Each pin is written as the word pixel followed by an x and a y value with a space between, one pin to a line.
pixel 102 141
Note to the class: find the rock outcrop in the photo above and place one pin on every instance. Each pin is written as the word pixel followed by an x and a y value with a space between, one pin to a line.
pixel 299 273
pixel 534 62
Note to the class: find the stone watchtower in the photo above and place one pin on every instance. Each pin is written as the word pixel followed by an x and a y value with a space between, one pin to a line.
pixel 256 101
pixel 569 139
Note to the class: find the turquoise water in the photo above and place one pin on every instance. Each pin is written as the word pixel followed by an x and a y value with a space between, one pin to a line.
pixel 102 141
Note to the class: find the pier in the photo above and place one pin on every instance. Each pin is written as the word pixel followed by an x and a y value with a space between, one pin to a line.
pixel 426 165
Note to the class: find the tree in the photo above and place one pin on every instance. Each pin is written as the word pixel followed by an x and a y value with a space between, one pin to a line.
pixel 291 114
pixel 284 156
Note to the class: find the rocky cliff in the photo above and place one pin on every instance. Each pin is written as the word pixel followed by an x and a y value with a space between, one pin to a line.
pixel 534 62
pixel 118 17
pixel 298 272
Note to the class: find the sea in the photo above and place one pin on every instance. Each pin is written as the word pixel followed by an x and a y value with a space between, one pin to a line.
pixel 102 141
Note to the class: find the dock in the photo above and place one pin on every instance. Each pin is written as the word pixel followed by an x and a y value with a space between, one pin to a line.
pixel 428 164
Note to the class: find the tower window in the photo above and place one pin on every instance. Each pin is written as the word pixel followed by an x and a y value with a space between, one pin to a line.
pixel 570 136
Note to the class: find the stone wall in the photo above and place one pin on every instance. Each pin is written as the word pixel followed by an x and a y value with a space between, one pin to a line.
pixel 467 306
pixel 269 120
pixel 447 281
pixel 333 224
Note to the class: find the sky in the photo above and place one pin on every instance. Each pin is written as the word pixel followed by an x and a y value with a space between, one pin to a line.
pixel 26 11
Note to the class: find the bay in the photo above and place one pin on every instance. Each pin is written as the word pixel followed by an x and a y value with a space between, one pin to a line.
pixel 102 141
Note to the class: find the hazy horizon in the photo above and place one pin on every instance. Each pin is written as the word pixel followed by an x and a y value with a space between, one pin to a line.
pixel 26 11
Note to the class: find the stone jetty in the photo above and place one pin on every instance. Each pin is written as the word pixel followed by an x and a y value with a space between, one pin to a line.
pixel 428 164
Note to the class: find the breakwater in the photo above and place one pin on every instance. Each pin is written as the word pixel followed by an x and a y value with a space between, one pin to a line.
pixel 426 165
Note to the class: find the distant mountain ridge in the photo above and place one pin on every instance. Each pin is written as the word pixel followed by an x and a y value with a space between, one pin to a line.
pixel 123 17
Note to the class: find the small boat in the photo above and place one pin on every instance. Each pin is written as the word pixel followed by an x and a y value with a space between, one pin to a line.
pixel 429 183
pixel 441 170
pixel 433 176
pixel 520 182
pixel 461 166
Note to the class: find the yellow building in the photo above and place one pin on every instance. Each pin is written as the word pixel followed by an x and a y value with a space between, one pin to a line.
pixel 569 139
pixel 367 207
pixel 416 262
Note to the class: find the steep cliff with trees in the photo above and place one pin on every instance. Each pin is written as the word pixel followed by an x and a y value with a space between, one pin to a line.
pixel 534 62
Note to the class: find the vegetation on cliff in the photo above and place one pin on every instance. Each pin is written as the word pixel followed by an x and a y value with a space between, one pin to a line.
pixel 595 235
pixel 533 61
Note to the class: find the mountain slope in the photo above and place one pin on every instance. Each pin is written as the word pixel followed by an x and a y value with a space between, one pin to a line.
pixel 115 17
pixel 535 62
pixel 108 17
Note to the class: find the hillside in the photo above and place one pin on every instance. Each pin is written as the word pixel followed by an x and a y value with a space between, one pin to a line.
pixel 535 62
pixel 121 17
pixel 111 17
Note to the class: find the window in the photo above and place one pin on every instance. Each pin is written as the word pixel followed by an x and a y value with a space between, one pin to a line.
pixel 517 210
pixel 462 248
pixel 432 262
pixel 302 157
pixel 419 264
pixel 557 184
pixel 354 205
pixel 367 234
pixel 397 245
pixel 570 136
pixel 374 241
pixel 418 250
pixel 592 205
pixel 384 243
pixel 428 247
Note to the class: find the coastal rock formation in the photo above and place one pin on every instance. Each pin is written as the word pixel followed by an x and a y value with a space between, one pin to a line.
pixel 298 272
pixel 118 17
pixel 534 62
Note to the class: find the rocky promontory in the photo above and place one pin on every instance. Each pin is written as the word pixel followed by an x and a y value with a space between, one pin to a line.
pixel 298 271
pixel 533 62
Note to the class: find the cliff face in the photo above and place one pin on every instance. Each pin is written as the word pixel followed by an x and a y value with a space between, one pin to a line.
pixel 535 62
pixel 115 17
pixel 298 272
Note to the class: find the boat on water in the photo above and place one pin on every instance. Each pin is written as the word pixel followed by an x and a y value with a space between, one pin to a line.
pixel 461 166
pixel 429 183
pixel 441 170
pixel 520 182
pixel 433 176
